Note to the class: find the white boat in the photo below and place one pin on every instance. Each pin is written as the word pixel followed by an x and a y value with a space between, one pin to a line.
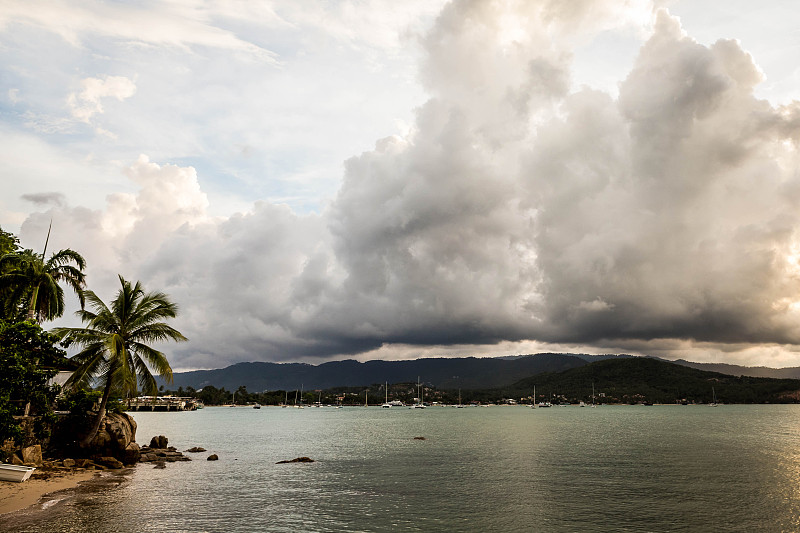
pixel 421 397
pixel 533 402
pixel 15 473
pixel 386 404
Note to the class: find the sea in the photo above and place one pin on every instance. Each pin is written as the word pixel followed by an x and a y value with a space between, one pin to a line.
pixel 476 469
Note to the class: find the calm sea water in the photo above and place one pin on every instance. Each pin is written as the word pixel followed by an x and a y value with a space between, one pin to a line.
pixel 632 468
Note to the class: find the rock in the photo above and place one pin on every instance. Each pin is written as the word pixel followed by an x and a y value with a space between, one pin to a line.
pixel 69 463
pixel 419 438
pixel 159 442
pixel 32 455
pixel 297 460
pixel 116 432
pixel 212 457
pixel 15 460
pixel 132 454
pixel 82 463
pixel 196 449
pixel 160 464
pixel 110 462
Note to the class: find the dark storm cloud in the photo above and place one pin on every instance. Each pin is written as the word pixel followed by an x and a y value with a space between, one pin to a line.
pixel 43 199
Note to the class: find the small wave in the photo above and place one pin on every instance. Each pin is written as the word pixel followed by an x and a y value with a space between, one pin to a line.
pixel 50 503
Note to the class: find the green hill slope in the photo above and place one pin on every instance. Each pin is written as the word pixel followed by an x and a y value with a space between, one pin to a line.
pixel 642 379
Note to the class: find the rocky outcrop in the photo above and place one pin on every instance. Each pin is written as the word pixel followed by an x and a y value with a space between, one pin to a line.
pixel 157 454
pixel 109 462
pixel 212 457
pixel 196 449
pixel 297 460
pixel 132 454
pixel 116 432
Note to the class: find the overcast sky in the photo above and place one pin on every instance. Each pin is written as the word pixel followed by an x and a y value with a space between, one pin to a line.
pixel 368 179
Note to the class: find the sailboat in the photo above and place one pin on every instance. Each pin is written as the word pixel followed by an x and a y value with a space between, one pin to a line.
pixel 714 400
pixel 459 406
pixel 533 402
pixel 421 403
pixel 386 404
pixel 593 405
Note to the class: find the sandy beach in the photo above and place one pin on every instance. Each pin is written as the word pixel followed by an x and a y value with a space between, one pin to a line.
pixel 16 496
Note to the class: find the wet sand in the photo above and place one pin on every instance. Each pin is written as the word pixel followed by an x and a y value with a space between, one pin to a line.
pixel 16 496
pixel 30 506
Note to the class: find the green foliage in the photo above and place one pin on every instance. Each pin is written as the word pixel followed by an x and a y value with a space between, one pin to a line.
pixel 27 280
pixel 116 343
pixel 28 356
pixel 82 403
pixel 8 242
pixel 116 340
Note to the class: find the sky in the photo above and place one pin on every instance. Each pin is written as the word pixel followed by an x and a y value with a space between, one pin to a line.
pixel 325 180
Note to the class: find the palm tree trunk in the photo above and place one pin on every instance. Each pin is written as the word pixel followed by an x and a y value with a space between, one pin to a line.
pixel 32 306
pixel 101 414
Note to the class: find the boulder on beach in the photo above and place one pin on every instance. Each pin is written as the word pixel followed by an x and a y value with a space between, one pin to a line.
pixel 297 460
pixel 132 454
pixel 159 442
pixel 110 462
pixel 32 455
pixel 116 431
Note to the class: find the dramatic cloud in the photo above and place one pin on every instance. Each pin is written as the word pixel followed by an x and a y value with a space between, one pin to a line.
pixel 518 211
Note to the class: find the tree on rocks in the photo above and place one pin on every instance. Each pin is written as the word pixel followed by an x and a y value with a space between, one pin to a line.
pixel 116 343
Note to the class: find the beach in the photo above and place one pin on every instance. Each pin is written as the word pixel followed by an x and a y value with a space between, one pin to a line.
pixel 17 496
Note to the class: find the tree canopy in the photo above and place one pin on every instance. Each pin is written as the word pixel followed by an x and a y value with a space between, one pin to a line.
pixel 26 279
pixel 116 342
pixel 28 359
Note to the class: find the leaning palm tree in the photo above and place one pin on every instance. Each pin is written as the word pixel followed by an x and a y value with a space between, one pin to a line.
pixel 25 277
pixel 115 343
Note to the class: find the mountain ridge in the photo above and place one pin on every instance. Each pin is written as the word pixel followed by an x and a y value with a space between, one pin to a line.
pixel 441 372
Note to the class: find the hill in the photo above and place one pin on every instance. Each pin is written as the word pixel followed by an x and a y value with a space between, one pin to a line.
pixel 644 379
pixel 753 371
pixel 443 373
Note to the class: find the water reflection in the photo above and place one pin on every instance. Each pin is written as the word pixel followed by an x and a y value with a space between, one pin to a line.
pixel 662 468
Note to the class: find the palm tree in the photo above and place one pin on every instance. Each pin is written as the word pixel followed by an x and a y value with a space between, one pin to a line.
pixel 26 277
pixel 115 343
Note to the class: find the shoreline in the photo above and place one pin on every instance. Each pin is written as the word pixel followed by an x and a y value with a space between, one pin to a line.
pixel 18 496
